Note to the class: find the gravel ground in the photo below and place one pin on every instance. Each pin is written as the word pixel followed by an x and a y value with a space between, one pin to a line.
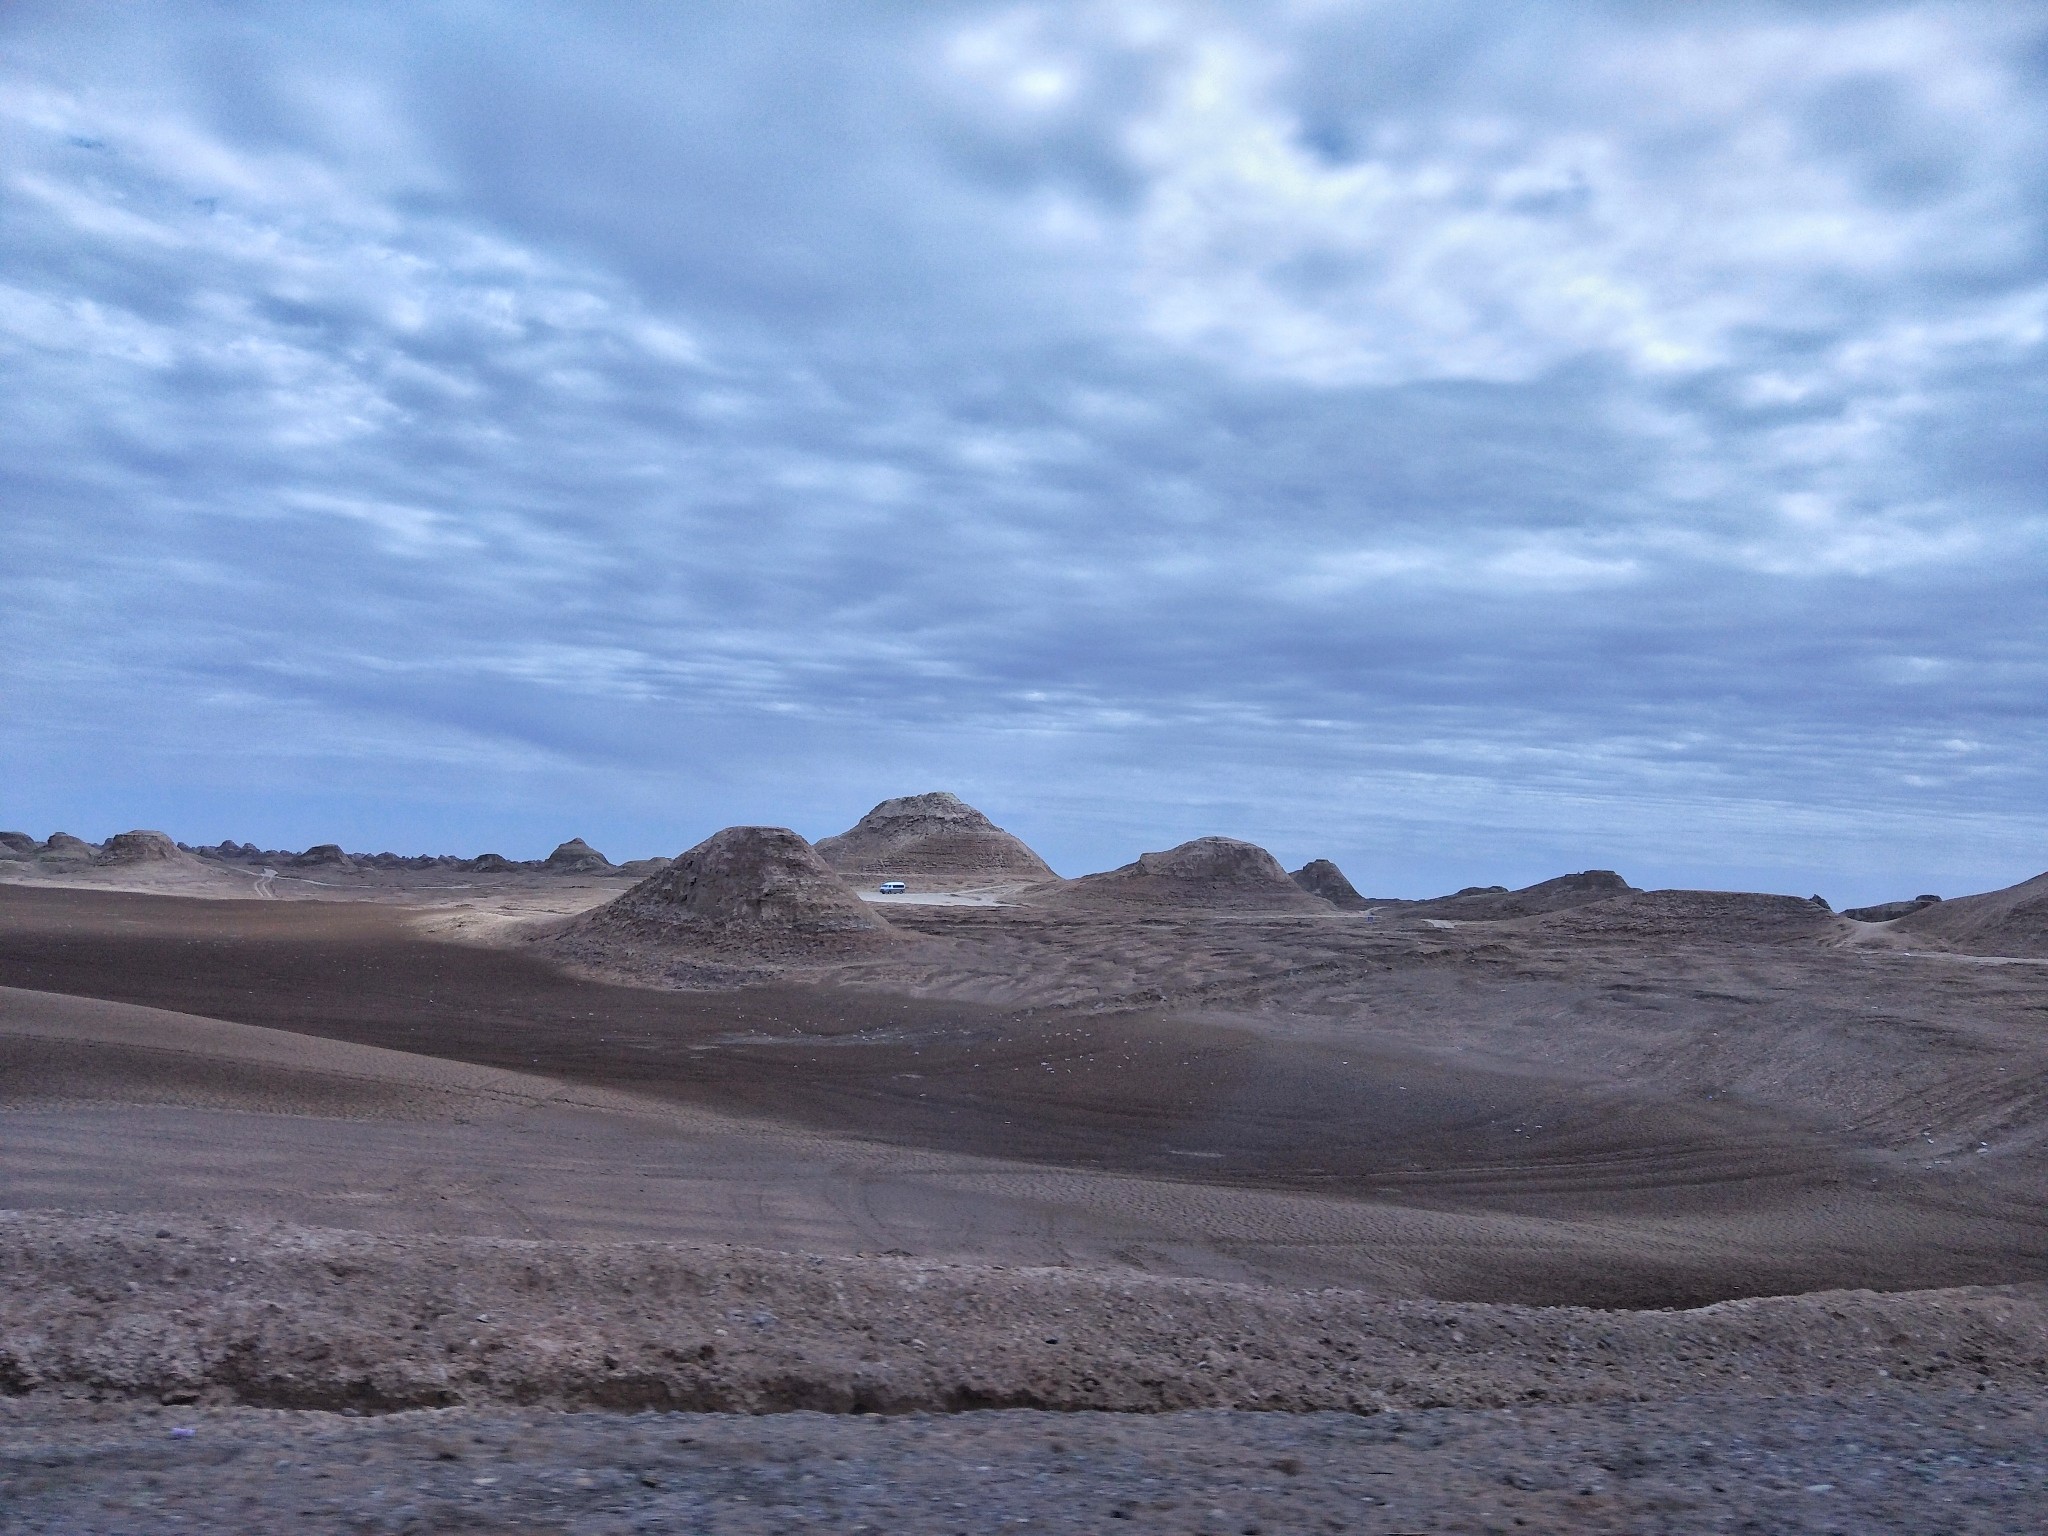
pixel 1892 1459
pixel 275 1316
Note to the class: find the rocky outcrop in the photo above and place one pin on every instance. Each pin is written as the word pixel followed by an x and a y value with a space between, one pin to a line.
pixel 1215 872
pixel 1319 877
pixel 140 847
pixel 937 836
pixel 576 857
pixel 322 856
pixel 746 893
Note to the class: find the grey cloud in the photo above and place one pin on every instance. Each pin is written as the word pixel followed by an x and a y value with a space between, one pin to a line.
pixel 755 413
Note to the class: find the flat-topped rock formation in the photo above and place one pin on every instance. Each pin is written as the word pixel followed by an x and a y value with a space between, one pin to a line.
pixel 1887 911
pixel 937 836
pixel 2013 921
pixel 1217 872
pixel 1319 877
pixel 746 893
pixel 1495 903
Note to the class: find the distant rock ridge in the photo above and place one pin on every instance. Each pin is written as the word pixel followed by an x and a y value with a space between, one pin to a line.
pixel 759 893
pixel 1494 903
pixel 575 857
pixel 936 835
pixel 1215 872
pixel 1320 877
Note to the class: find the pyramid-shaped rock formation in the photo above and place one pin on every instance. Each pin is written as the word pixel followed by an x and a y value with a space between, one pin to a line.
pixel 937 837
pixel 1319 877
pixel 576 857
pixel 745 892
pixel 1217 872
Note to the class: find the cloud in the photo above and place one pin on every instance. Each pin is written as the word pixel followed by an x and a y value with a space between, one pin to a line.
pixel 1310 422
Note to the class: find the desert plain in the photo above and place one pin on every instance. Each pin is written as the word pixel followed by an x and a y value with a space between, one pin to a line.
pixel 728 1192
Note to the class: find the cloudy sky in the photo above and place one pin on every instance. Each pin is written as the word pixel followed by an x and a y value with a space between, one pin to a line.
pixel 1469 441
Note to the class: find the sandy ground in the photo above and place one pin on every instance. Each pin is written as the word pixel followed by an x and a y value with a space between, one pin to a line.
pixel 1195 1163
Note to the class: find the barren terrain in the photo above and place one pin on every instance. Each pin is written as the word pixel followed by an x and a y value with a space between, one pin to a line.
pixel 1185 1138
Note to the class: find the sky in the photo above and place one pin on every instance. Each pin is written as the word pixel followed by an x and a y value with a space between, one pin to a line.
pixel 1470 442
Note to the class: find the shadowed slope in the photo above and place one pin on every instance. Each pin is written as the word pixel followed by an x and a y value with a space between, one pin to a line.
pixel 2013 921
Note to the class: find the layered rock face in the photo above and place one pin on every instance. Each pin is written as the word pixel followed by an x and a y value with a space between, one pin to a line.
pixel 1319 877
pixel 1218 872
pixel 935 836
pixel 745 891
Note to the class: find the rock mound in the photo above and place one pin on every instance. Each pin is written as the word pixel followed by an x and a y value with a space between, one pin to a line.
pixel 62 845
pixel 2013 921
pixel 1494 903
pixel 140 847
pixel 18 843
pixel 322 856
pixel 746 892
pixel 1319 877
pixel 1733 917
pixel 489 864
pixel 1217 872
pixel 576 857
pixel 935 835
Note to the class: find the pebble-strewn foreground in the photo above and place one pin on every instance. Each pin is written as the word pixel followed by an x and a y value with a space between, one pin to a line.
pixel 1891 1460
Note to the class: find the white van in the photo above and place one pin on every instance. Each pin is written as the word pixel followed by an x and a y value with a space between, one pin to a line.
pixel 893 887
